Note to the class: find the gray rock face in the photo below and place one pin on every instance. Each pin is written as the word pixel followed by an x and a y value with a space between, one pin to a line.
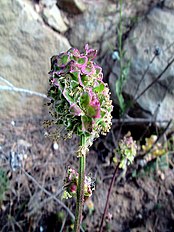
pixel 26 46
pixel 153 32
pixel 48 3
pixel 169 4
pixel 53 18
pixel 97 26
pixel 72 6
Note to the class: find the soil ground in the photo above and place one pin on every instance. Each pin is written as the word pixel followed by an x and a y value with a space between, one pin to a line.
pixel 141 201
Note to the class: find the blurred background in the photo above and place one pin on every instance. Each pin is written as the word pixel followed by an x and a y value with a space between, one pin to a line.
pixel 135 43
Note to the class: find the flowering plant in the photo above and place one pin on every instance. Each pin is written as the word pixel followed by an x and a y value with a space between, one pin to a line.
pixel 71 183
pixel 127 149
pixel 153 148
pixel 80 101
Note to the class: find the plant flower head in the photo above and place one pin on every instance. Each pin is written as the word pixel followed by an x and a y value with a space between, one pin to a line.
pixel 152 148
pixel 79 99
pixel 71 182
pixel 127 150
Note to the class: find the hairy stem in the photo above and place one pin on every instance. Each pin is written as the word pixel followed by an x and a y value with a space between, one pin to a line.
pixel 108 196
pixel 80 190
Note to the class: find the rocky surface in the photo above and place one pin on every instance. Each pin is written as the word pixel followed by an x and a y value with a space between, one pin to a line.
pixel 73 6
pixel 154 33
pixel 32 31
pixel 26 46
pixel 169 4
pixel 97 26
pixel 53 18
pixel 48 3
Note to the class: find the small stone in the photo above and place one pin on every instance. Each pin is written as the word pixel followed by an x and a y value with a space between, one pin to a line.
pixel 25 156
pixel 24 143
pixel 45 133
pixel 53 189
pixel 48 3
pixel 3 207
pixel 53 18
pixel 109 217
pixel 169 192
pixel 72 6
pixel 115 55
pixel 41 229
pixel 13 123
pixel 161 175
pixel 169 4
pixel 37 8
pixel 55 146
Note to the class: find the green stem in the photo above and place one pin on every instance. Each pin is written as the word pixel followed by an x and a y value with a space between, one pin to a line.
pixel 120 34
pixel 80 189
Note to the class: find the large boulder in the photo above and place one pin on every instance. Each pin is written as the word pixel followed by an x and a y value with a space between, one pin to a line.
pixel 97 26
pixel 26 45
pixel 153 35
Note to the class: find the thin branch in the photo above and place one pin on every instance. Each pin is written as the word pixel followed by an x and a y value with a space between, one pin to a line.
pixel 21 90
pixel 155 80
pixel 11 87
pixel 51 195
pixel 138 121
pixel 108 196
pixel 143 76
pixel 147 69
pixel 5 81
pixel 63 224
pixel 159 137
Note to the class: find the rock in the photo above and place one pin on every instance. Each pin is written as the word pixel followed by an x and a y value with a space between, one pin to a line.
pixel 53 18
pixel 72 6
pixel 169 4
pixel 48 3
pixel 153 34
pixel 97 26
pixel 26 46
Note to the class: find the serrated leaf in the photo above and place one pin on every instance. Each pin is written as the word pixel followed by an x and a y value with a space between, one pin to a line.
pixel 84 100
pixel 99 88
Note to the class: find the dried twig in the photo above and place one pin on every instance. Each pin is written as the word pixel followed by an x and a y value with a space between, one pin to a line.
pixel 159 137
pixel 155 80
pixel 51 195
pixel 108 196
pixel 11 87
pixel 138 121
pixel 143 76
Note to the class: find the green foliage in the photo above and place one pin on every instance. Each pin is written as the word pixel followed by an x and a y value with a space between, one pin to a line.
pixel 150 169
pixel 124 68
pixel 79 99
pixel 153 148
pixel 70 185
pixel 156 156
pixel 3 184
pixel 127 150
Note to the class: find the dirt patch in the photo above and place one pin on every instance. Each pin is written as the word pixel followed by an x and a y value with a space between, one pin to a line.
pixel 143 203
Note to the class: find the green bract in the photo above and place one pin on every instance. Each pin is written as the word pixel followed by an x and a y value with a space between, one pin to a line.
pixel 71 182
pixel 79 99
pixel 127 149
